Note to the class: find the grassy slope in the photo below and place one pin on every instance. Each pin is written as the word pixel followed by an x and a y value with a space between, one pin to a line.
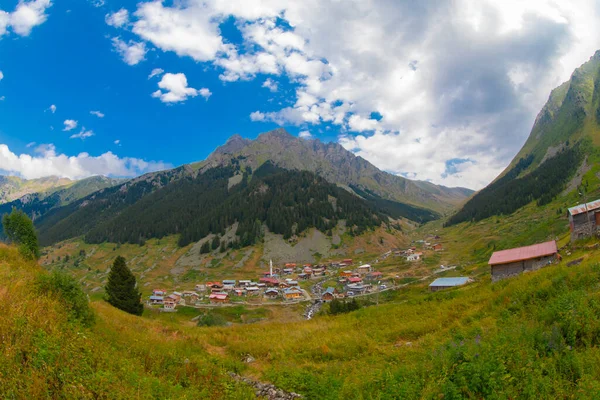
pixel 45 355
pixel 12 187
pixel 535 336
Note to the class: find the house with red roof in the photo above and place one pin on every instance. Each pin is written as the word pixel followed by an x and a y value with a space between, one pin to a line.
pixel 511 262
pixel 219 298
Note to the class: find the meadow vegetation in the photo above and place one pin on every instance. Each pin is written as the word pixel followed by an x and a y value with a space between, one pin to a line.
pixel 529 337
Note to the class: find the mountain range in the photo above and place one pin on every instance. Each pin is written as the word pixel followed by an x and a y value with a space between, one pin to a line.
pixel 337 165
pixel 201 198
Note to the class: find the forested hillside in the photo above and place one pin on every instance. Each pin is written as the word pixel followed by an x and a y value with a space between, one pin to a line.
pixel 565 133
pixel 287 202
pixel 510 192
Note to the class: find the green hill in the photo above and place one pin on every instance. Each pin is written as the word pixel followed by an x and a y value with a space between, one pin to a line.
pixel 286 202
pixel 562 152
pixel 534 336
pixel 39 203
pixel 13 187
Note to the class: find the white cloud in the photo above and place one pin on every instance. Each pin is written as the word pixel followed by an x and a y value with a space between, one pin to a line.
pixel 1 75
pixel 30 144
pixel 188 31
pixel 70 124
pixel 98 3
pixel 353 58
pixel 118 19
pixel 97 114
pixel 117 142
pixel 257 116
pixel 132 52
pixel 52 108
pixel 305 135
pixel 204 92
pixel 156 72
pixel 2 98
pixel 48 162
pixel 270 84
pixel 26 16
pixel 174 88
pixel 83 134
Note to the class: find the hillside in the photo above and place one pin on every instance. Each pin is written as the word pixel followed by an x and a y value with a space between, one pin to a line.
pixel 337 165
pixel 37 204
pixel 13 187
pixel 534 336
pixel 286 202
pixel 562 152
pixel 48 352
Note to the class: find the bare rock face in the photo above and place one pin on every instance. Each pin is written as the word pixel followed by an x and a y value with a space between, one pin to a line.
pixel 266 390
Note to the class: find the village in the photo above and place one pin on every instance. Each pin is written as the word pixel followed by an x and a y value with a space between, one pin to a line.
pixel 287 284
pixel 278 285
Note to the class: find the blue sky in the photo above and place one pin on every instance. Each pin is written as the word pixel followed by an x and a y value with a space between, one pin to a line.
pixel 376 76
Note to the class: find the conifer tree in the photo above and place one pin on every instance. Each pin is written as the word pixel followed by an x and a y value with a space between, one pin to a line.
pixel 121 289
pixel 19 229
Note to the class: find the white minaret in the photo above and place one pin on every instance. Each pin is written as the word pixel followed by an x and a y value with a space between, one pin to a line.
pixel 271 268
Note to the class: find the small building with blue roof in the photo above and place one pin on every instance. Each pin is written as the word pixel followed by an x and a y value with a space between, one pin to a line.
pixel 446 283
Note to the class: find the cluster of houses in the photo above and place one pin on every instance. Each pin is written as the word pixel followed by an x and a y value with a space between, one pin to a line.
pixel 275 284
pixel 359 281
pixel 412 253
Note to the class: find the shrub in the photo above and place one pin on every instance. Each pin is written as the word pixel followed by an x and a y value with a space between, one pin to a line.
pixel 212 319
pixel 74 299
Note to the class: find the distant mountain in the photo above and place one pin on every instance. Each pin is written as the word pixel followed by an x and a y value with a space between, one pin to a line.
pixel 337 165
pixel 561 149
pixel 38 204
pixel 13 187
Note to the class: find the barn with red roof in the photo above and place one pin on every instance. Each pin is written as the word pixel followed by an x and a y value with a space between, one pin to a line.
pixel 512 262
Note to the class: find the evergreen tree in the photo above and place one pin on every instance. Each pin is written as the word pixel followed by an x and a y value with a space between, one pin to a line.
pixel 121 290
pixel 205 248
pixel 19 229
pixel 216 242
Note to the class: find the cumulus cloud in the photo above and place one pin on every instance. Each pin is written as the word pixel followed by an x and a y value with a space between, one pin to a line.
pixel 26 16
pixel 305 135
pixel 131 52
pixel 204 92
pixel 1 75
pixel 84 134
pixel 257 116
pixel 118 19
pixel 52 108
pixel 70 124
pixel 351 59
pixel 47 162
pixel 174 88
pixel 156 72
pixel 270 84
pixel 117 142
pixel 97 114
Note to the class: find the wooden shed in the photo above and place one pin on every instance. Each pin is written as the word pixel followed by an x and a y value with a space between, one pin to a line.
pixel 513 262
pixel 584 220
